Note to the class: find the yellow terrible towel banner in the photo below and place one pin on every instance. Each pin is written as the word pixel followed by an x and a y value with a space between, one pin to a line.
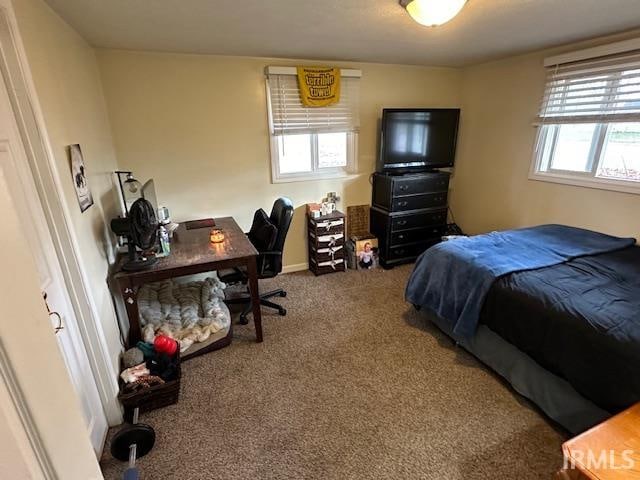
pixel 319 86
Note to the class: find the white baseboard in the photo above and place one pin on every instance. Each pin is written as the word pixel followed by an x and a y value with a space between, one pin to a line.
pixel 296 267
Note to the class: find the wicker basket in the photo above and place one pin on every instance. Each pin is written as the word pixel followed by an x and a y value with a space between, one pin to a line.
pixel 321 269
pixel 154 397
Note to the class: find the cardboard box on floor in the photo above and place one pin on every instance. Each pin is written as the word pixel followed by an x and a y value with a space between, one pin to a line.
pixel 358 234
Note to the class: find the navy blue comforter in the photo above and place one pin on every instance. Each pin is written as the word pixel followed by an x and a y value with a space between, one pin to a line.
pixel 453 278
pixel 580 320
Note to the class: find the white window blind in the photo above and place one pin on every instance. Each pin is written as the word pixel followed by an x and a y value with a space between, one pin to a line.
pixel 288 115
pixel 599 90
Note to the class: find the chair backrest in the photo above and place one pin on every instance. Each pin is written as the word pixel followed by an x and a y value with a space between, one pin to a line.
pixel 281 216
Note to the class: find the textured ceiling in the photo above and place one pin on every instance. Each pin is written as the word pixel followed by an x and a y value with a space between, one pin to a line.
pixel 359 30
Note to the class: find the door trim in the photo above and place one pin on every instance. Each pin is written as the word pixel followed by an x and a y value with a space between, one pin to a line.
pixel 26 419
pixel 30 120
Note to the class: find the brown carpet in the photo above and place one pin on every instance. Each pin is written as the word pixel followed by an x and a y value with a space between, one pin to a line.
pixel 352 383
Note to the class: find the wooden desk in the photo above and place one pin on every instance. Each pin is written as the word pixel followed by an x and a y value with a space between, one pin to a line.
pixel 192 252
pixel 608 451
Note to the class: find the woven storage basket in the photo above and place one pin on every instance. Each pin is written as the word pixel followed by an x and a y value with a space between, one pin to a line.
pixel 154 397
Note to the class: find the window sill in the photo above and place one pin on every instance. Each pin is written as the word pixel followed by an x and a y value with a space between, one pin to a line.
pixel 310 177
pixel 623 186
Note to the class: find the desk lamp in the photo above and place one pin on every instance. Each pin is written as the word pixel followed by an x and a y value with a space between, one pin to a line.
pixel 130 188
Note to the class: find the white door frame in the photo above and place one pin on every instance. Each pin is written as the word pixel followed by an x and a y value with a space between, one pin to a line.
pixel 20 86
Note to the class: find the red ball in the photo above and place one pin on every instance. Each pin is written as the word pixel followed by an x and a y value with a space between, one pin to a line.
pixel 164 344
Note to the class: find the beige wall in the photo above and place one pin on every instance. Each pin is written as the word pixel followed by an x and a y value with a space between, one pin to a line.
pixel 17 460
pixel 491 189
pixel 198 125
pixel 68 86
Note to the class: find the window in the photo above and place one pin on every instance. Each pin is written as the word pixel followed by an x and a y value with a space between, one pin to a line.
pixel 311 142
pixel 589 123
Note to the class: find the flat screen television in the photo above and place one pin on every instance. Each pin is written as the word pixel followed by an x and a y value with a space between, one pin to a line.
pixel 417 139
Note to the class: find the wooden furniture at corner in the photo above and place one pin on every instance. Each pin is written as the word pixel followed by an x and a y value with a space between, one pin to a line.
pixel 326 243
pixel 608 451
pixel 191 253
pixel 408 214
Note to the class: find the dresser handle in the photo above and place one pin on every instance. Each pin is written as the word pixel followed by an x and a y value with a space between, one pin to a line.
pixel 401 237
pixel 403 187
pixel 402 222
pixel 403 204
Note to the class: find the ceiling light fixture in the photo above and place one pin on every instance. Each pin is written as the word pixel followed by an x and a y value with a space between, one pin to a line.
pixel 433 12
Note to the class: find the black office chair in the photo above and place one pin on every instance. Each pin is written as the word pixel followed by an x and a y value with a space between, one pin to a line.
pixel 269 261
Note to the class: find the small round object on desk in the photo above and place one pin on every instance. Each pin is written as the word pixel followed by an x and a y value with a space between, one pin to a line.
pixel 216 235
pixel 164 344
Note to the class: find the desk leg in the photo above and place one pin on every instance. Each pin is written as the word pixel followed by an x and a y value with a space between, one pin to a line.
pixel 130 299
pixel 252 273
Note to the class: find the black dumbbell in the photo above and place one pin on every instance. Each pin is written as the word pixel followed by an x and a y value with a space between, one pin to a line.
pixel 133 442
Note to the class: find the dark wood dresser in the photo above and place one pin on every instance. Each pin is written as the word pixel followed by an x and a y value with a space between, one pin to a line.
pixel 408 214
pixel 326 243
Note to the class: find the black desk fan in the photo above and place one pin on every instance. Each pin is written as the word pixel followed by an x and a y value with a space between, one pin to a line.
pixel 140 226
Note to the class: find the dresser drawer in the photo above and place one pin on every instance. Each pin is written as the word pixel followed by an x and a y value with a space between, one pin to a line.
pixel 416 202
pixel 413 185
pixel 327 227
pixel 409 251
pixel 387 189
pixel 326 254
pixel 326 241
pixel 419 220
pixel 321 268
pixel 417 235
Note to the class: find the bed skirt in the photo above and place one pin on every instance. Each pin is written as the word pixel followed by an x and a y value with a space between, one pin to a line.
pixel 553 395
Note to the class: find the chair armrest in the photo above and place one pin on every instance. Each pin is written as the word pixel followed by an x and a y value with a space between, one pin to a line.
pixel 270 252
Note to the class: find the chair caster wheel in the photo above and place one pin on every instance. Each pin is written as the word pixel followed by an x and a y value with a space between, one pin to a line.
pixel 282 311
pixel 243 320
pixel 283 294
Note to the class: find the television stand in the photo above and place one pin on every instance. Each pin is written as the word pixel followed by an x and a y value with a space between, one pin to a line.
pixel 408 214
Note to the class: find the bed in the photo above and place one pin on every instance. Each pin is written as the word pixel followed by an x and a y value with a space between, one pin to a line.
pixel 553 309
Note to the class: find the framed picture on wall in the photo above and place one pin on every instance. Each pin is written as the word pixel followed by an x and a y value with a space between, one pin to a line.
pixel 79 176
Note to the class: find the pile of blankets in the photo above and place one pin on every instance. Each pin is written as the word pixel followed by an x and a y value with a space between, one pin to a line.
pixel 188 312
